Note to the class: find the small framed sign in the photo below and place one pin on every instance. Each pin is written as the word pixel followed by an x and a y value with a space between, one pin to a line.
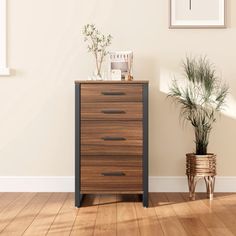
pixel 197 14
pixel 121 61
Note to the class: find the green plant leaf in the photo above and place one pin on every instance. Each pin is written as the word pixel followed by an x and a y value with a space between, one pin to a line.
pixel 201 97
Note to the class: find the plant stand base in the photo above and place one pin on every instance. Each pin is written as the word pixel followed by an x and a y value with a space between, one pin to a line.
pixel 210 183
pixel 198 168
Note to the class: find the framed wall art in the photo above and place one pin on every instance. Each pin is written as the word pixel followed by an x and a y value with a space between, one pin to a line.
pixel 197 14
pixel 4 70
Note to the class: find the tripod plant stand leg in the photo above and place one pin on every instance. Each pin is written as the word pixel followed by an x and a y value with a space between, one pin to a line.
pixel 210 184
pixel 191 186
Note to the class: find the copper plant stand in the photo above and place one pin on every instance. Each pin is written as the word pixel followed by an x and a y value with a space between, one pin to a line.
pixel 198 167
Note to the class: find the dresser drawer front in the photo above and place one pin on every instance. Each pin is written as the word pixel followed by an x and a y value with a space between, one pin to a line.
pixel 116 173
pixel 111 93
pixel 111 132
pixel 111 138
pixel 112 111
pixel 117 149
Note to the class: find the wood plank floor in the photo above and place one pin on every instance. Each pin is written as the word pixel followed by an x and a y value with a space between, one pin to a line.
pixel 170 214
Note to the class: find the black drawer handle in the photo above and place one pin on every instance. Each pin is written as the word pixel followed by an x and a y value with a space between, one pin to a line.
pixel 113 93
pixel 113 174
pixel 112 111
pixel 113 138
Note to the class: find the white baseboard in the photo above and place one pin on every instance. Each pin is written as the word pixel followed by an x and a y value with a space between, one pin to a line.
pixel 180 184
pixel 66 184
pixel 37 184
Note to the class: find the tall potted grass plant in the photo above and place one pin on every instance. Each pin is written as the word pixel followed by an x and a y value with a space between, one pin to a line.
pixel 201 96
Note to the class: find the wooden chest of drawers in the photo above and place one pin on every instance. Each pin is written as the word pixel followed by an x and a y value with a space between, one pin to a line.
pixel 111 138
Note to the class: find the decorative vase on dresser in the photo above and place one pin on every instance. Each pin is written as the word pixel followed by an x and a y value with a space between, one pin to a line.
pixel 111 138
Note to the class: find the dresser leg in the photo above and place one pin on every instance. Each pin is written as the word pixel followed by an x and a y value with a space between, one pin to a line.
pixel 78 200
pixel 145 199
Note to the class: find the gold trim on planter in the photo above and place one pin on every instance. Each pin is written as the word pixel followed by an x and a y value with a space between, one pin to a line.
pixel 198 167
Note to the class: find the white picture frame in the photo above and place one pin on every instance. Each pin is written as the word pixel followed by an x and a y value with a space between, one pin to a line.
pixel 197 14
pixel 4 70
pixel 120 61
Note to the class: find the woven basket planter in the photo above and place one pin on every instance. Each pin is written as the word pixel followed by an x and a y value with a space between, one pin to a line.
pixel 201 166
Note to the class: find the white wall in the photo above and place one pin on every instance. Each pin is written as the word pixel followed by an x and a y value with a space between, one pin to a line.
pixel 47 53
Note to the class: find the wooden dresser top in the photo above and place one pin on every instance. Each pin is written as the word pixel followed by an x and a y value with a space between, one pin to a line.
pixel 111 82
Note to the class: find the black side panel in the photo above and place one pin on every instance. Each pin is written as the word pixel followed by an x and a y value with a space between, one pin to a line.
pixel 145 145
pixel 78 196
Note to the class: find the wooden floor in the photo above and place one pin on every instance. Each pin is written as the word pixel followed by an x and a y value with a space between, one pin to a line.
pixel 169 214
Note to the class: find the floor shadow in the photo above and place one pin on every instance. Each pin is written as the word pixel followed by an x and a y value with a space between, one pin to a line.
pixel 90 199
pixel 165 199
pixel 155 199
